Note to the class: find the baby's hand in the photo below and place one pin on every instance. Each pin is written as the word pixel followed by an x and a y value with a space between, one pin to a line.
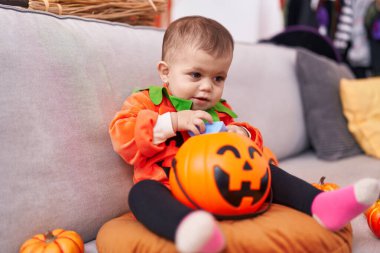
pixel 189 120
pixel 237 129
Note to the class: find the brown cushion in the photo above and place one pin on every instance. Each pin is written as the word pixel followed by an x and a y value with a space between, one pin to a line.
pixel 281 229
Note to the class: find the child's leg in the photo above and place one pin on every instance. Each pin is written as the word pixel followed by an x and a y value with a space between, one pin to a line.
pixel 153 205
pixel 333 209
pixel 292 191
pixel 193 231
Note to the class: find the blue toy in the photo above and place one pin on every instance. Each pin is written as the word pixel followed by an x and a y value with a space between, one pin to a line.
pixel 214 127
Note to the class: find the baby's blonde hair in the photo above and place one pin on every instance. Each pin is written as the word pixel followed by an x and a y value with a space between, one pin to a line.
pixel 200 32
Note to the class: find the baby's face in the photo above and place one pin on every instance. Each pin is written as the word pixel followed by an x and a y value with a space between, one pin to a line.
pixel 195 75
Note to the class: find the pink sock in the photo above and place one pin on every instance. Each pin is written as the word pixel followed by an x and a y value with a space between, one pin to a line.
pixel 334 209
pixel 199 232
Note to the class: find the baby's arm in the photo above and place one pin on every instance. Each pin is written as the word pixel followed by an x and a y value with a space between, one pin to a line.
pixel 189 120
pixel 242 128
pixel 131 130
pixel 254 133
pixel 171 122
pixel 239 130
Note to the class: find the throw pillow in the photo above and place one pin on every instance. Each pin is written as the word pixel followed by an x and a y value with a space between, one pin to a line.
pixel 361 106
pixel 326 125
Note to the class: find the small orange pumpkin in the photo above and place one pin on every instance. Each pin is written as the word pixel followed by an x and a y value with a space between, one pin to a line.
pixel 325 186
pixel 373 218
pixel 56 241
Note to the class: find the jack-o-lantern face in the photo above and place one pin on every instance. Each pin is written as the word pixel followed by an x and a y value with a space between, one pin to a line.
pixel 238 179
pixel 223 173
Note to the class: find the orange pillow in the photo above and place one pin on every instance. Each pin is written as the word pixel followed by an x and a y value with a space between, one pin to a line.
pixel 281 229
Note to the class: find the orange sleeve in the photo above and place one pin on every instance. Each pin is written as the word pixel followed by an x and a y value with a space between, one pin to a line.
pixel 255 135
pixel 131 130
pixel 258 139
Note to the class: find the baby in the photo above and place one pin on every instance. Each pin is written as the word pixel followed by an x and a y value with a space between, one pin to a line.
pixel 153 123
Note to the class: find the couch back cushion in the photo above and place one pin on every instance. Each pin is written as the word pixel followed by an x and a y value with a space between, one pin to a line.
pixel 262 87
pixel 61 82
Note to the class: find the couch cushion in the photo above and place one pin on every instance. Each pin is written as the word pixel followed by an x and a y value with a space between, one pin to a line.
pixel 327 129
pixel 281 229
pixel 361 106
pixel 62 79
pixel 262 88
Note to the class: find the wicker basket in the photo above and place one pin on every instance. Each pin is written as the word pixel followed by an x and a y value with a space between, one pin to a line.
pixel 133 12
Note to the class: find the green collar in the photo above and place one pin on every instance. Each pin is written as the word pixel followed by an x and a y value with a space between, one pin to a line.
pixel 156 94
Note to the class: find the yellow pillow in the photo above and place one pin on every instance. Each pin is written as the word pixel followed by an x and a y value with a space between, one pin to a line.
pixel 361 106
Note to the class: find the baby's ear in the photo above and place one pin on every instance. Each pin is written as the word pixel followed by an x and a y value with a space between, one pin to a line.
pixel 163 71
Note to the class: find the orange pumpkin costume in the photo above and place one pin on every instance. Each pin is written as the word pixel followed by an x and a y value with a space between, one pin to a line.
pixel 131 131
pixel 150 199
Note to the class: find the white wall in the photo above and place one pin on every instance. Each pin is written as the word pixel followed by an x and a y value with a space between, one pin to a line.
pixel 247 20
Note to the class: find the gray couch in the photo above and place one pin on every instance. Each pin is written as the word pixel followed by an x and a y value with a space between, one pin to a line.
pixel 61 81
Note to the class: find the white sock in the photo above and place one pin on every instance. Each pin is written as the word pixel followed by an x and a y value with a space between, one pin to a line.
pixel 199 232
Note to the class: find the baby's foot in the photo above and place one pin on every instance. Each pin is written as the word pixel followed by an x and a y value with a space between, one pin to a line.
pixel 334 209
pixel 199 232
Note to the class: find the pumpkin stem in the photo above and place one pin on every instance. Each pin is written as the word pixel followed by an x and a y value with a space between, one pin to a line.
pixel 322 180
pixel 49 236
